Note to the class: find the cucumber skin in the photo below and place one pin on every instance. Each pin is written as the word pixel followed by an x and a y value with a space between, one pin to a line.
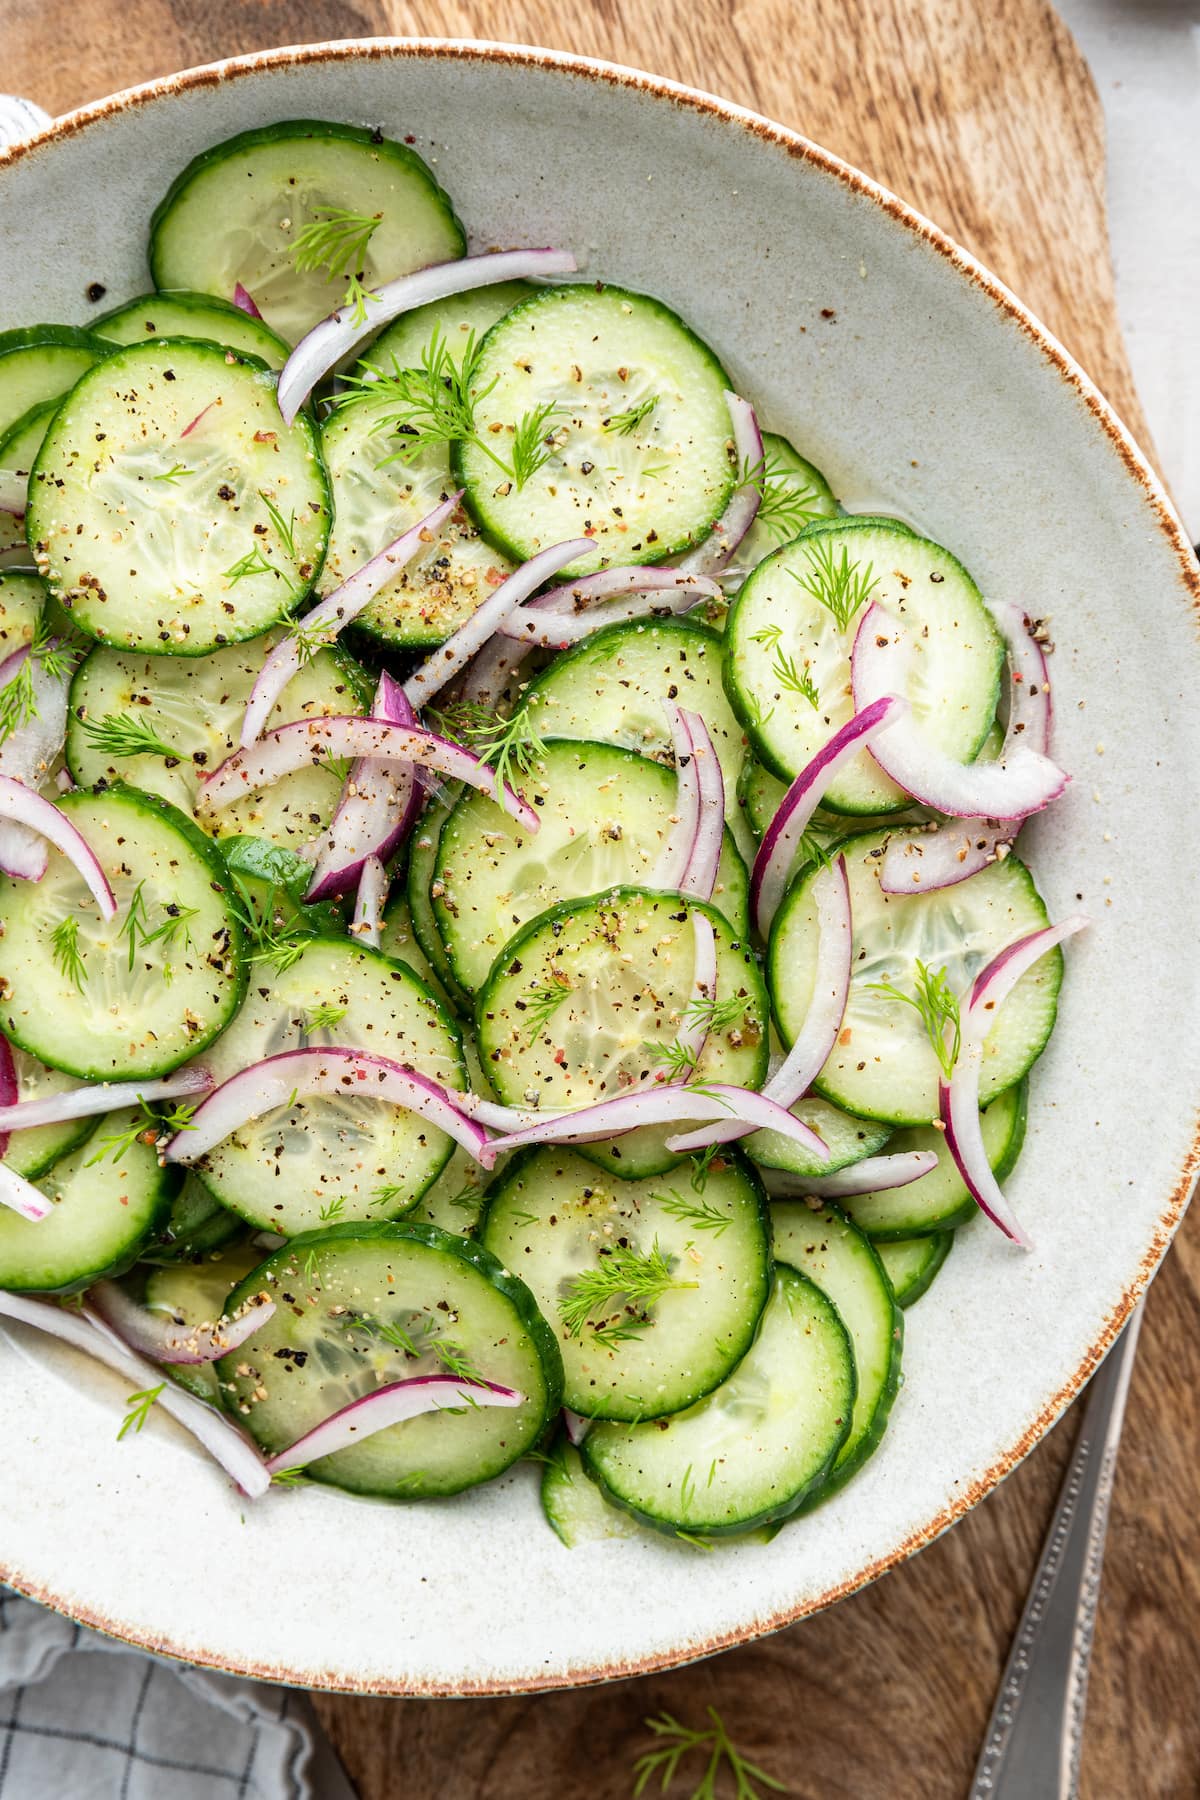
pixel 33 337
pixel 40 409
pixel 962 1215
pixel 187 301
pixel 924 1281
pixel 280 132
pixel 168 1187
pixel 775 1515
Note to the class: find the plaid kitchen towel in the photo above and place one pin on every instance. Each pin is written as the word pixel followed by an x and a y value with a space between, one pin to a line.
pixel 83 1717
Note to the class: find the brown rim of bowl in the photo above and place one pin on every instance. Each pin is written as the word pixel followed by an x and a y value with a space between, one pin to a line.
pixel 1139 469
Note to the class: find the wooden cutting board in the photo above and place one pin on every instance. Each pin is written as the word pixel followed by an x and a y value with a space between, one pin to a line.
pixel 985 118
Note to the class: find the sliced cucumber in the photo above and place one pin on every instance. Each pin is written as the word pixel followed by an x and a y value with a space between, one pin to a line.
pixel 398 940
pixel 170 507
pixel 912 1263
pixel 194 1294
pixel 422 876
pixel 794 495
pixel 753 1450
pixel 323 1159
pixel 194 706
pixel 760 794
pixel 33 1153
pixel 184 315
pixel 196 1226
pixel 825 1246
pixel 455 1200
pixel 18 452
pixel 42 362
pixel 786 624
pixel 553 1219
pixel 622 962
pixel 143 993
pixel 109 1196
pixel 354 1284
pixel 882 1066
pixel 635 427
pixel 22 600
pixel 848 1140
pixel 236 212
pixel 605 815
pixel 404 344
pixel 575 1508
pixel 939 1201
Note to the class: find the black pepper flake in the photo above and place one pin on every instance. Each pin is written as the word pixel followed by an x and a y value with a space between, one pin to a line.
pixel 95 291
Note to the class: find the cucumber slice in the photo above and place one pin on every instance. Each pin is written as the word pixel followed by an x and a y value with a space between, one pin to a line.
pixel 939 1201
pixel 444 1295
pixel 42 362
pixel 795 495
pixel 636 436
pixel 912 1263
pixel 22 600
pixel 184 315
pixel 33 1153
pixel 848 1139
pixel 404 343
pixel 196 1226
pixel 611 688
pixel 398 940
pixel 324 1159
pixel 18 451
pixel 237 211
pixel 194 706
pixel 553 1219
pixel 456 1199
pixel 833 1253
pixel 623 961
pixel 605 815
pixel 576 1510
pixel 753 1450
pixel 760 794
pixel 422 874
pixel 171 508
pixel 882 1066
pixel 109 1196
pixel 785 623
pixel 146 991
pixel 194 1294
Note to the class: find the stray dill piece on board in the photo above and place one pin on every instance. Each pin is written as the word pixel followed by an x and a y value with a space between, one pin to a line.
pixel 337 241
pixel 938 1006
pixel 139 1405
pixel 622 1278
pixel 677 1741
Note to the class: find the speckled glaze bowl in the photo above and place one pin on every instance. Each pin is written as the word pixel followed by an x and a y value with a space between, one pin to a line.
pixel 913 378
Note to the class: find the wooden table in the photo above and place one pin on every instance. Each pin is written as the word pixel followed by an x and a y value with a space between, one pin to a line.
pixel 986 118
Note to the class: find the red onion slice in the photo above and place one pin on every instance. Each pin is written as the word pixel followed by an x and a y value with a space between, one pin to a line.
pixel 9 1090
pixel 367 924
pixel 290 747
pixel 1022 783
pixel 491 669
pixel 781 840
pixel 953 851
pixel 700 876
pixel 822 1021
pixel 26 755
pixel 389 1405
pixel 544 630
pixel 611 584
pixel 739 515
pixel 21 805
pixel 958 1098
pixel 870 1176
pixel 676 853
pixel 338 610
pixel 575 1426
pixel 379 804
pixel 335 337
pixel 693 1030
pixel 461 645
pixel 338 1071
pixel 14 492
pixel 103 1097
pixel 153 1334
pixel 84 1331
pixel 20 1196
pixel 244 301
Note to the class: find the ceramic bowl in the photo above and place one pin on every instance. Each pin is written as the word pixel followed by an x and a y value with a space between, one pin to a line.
pixel 914 380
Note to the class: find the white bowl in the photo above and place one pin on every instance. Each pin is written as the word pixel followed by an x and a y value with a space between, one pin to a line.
pixel 916 382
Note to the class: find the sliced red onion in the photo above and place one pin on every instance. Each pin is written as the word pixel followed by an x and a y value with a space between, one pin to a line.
pixel 338 610
pixel 338 1071
pixel 20 1196
pixel 153 1334
pixel 14 492
pixel 1022 783
pixel 21 805
pixel 9 1089
pixel 379 805
pixel 491 669
pixel 192 423
pixel 458 649
pixel 26 755
pixel 102 1097
pixel 575 1426
pixel 700 876
pixel 290 747
pixel 609 584
pixel 659 1105
pixel 545 630
pixel 367 924
pixel 958 1098
pixel 676 853
pixel 822 1021
pixel 870 1176
pixel 389 1405
pixel 83 1330
pixel 950 852
pixel 781 839
pixel 335 337
pixel 739 515
pixel 244 301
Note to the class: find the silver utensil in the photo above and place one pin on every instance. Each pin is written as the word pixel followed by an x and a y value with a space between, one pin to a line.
pixel 1035 1734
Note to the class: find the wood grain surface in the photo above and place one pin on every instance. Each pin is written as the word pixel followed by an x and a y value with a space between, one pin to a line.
pixel 985 118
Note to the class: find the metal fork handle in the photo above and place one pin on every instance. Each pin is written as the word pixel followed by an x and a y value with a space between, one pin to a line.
pixel 1035 1734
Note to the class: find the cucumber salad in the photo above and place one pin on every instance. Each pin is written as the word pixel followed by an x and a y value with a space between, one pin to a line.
pixel 513 936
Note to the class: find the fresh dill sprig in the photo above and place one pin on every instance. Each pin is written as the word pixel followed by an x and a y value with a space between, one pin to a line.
pixel 323 1017
pixel 769 636
pixel 714 1014
pixel 285 528
pixel 626 423
pixel 938 1007
pixel 179 1118
pixel 124 734
pixel 702 1161
pixel 531 446
pixel 700 1213
pixel 64 947
pixel 675 1741
pixel 173 474
pixel 510 746
pixel 253 563
pixel 309 640
pixel 18 700
pixel 449 1354
pixel 621 1275
pixel 785 507
pixel 269 936
pixel 332 1210
pixel 135 921
pixel 139 1405
pixel 842 587
pixel 148 1127
pixel 289 1478
pixel 337 241
pixel 794 680
pixel 384 1196
pixel 138 932
pixel 680 1060
pixel 539 1004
